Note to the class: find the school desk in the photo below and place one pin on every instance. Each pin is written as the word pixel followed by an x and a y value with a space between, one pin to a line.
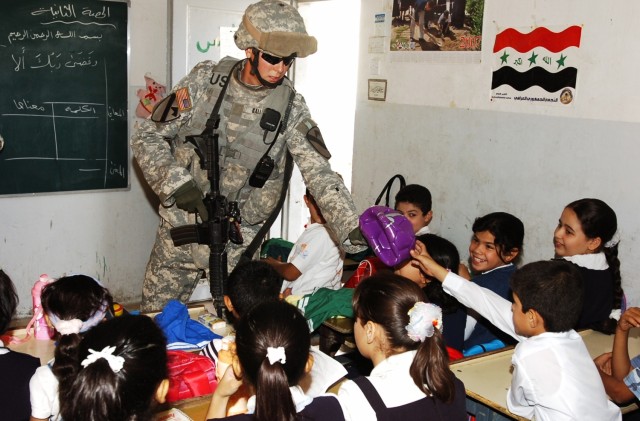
pixel 487 377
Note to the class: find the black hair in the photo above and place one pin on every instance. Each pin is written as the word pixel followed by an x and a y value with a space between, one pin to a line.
pixel 553 288
pixel 415 194
pixel 72 297
pixel 446 255
pixel 385 299
pixel 598 220
pixel 96 392
pixel 507 230
pixel 8 301
pixel 273 324
pixel 252 282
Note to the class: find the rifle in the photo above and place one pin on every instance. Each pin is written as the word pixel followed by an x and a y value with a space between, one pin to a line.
pixel 224 219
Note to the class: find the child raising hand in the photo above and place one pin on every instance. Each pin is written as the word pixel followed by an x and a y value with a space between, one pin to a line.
pixel 619 373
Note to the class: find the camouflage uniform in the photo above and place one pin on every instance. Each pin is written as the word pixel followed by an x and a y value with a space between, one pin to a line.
pixel 168 162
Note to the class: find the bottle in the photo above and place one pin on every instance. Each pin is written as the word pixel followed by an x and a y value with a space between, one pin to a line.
pixel 40 327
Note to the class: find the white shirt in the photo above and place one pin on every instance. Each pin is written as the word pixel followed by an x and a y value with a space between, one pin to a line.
pixel 554 377
pixel 43 388
pixel 319 260
pixel 392 382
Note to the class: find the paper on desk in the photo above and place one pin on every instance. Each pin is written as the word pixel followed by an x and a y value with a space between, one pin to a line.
pixel 173 414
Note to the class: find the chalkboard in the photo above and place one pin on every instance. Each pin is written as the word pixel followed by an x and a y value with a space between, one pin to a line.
pixel 63 96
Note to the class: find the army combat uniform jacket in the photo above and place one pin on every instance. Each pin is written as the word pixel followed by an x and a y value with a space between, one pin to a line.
pixel 168 162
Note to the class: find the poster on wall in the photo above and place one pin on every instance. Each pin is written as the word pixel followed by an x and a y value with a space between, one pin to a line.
pixel 538 66
pixel 436 25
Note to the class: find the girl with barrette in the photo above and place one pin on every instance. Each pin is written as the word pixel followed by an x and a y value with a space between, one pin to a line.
pixel 587 236
pixel 72 305
pixel 272 346
pixel 115 372
pixel 402 336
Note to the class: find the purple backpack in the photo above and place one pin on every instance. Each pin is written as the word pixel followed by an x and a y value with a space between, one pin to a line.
pixel 389 234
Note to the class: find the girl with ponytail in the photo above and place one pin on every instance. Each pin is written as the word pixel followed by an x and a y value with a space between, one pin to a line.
pixel 272 346
pixel 586 236
pixel 402 336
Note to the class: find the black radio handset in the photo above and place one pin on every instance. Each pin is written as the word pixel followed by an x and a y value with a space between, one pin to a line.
pixel 270 122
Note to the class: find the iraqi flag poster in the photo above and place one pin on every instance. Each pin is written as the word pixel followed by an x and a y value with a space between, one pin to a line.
pixel 539 66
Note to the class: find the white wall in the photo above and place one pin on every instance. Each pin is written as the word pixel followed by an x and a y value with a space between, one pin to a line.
pixel 438 128
pixel 104 234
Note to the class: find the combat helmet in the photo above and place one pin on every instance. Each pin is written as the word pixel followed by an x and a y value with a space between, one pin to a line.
pixel 276 28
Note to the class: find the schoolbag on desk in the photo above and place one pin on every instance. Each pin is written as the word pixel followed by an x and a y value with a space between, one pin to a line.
pixel 190 375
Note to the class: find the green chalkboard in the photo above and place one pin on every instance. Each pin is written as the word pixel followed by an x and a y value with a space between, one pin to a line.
pixel 63 96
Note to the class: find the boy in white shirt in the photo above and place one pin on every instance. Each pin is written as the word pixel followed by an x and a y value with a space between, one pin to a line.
pixel 315 260
pixel 554 377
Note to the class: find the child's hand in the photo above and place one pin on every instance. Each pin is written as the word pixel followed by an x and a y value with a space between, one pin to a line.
pixel 603 362
pixel 629 319
pixel 423 260
pixel 229 383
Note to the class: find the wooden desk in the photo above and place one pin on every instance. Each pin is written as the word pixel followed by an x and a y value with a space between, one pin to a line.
pixel 487 377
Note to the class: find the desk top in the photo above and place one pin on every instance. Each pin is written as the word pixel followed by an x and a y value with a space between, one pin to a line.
pixel 488 377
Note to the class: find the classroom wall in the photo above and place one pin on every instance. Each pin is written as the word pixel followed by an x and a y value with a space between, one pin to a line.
pixel 104 234
pixel 439 128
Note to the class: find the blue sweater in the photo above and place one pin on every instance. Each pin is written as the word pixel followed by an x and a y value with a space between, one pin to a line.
pixel 497 281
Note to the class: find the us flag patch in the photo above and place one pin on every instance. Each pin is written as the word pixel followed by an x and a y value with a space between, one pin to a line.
pixel 184 99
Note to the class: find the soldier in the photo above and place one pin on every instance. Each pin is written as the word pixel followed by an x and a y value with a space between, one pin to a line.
pixel 272 34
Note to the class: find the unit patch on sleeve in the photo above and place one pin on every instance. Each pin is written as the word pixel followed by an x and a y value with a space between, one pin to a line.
pixel 314 137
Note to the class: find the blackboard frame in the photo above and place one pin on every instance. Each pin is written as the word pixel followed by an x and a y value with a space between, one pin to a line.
pixel 64 176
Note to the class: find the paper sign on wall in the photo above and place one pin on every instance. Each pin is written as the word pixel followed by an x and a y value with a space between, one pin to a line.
pixel 540 66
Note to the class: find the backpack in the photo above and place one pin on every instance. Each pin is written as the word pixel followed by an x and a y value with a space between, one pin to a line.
pixel 190 375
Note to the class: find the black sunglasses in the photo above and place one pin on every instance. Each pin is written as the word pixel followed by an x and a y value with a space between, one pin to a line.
pixel 275 59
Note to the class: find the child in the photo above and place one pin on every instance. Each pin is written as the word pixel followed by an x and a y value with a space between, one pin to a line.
pixel 585 236
pixel 553 375
pixel 315 261
pixel 114 372
pixel 454 315
pixel 401 335
pixel 73 305
pixel 273 354
pixel 414 202
pixel 619 373
pixel 16 368
pixel 495 245
pixel 256 282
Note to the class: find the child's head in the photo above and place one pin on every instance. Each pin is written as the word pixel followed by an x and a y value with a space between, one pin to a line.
pixel 441 250
pixel 497 240
pixel 550 290
pixel 585 226
pixel 249 284
pixel 382 305
pixel 314 209
pixel 75 303
pixel 414 202
pixel 119 368
pixel 8 301
pixel 272 343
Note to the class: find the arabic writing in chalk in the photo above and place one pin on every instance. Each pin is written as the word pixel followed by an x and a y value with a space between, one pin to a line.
pixel 52 60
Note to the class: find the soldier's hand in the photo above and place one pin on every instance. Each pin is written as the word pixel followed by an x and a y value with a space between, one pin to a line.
pixel 189 198
pixel 357 239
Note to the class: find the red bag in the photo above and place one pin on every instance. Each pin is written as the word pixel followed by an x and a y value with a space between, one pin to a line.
pixel 366 268
pixel 190 375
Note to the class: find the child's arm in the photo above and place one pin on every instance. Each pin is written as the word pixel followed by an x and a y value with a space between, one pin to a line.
pixel 488 304
pixel 228 385
pixel 620 361
pixel 286 270
pixel 614 366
